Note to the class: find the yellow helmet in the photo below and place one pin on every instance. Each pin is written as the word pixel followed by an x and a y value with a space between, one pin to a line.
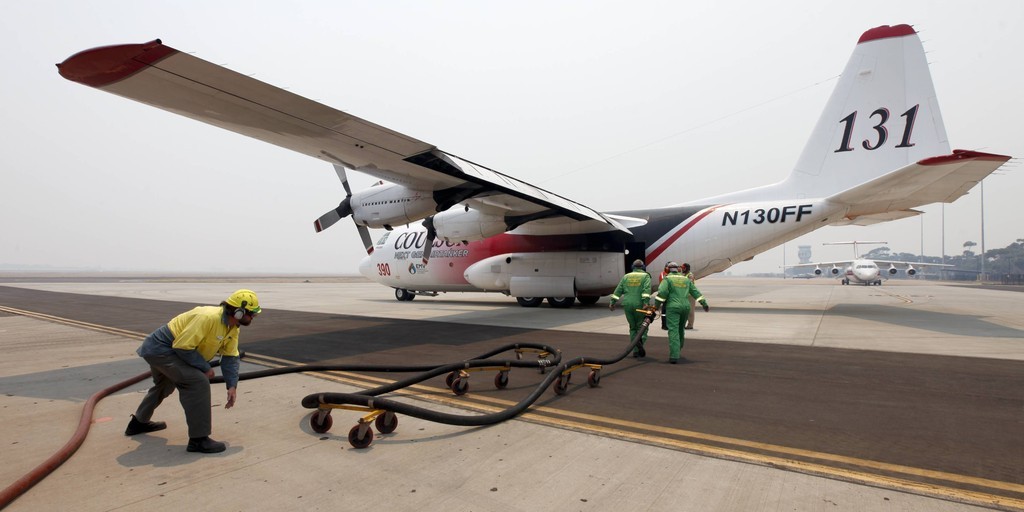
pixel 245 299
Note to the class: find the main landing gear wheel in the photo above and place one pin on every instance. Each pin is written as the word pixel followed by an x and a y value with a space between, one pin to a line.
pixel 404 295
pixel 386 423
pixel 529 302
pixel 319 426
pixel 501 380
pixel 593 379
pixel 561 302
pixel 360 436
pixel 589 300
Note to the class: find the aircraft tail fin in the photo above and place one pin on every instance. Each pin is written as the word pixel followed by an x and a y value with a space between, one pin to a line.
pixel 882 116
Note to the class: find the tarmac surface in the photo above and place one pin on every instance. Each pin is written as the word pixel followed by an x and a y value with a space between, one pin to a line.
pixel 797 395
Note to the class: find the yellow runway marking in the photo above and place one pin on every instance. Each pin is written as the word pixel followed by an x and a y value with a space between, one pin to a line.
pixel 904 298
pixel 659 435
pixel 74 323
pixel 622 429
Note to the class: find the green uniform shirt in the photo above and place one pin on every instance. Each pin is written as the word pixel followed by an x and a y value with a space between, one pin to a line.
pixel 674 290
pixel 634 289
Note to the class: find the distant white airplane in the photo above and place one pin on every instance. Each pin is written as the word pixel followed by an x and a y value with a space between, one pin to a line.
pixel 878 151
pixel 862 270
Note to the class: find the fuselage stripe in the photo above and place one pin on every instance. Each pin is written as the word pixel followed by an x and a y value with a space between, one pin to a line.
pixel 653 255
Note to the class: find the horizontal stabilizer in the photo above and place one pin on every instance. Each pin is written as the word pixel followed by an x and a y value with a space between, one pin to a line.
pixel 939 179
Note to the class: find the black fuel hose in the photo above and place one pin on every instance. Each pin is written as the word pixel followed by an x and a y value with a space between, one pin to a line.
pixel 427 371
pixel 367 398
pixel 370 399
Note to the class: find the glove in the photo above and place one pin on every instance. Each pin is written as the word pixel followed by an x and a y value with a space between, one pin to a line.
pixel 611 306
pixel 704 304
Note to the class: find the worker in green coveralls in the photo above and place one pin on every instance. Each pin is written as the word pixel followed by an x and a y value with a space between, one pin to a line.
pixel 634 291
pixel 674 293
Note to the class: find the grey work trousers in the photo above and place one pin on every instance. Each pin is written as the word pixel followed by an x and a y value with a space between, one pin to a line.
pixel 169 373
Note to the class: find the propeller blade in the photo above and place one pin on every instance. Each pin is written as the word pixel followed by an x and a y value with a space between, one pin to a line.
pixel 344 210
pixel 364 234
pixel 330 218
pixel 431 236
pixel 340 171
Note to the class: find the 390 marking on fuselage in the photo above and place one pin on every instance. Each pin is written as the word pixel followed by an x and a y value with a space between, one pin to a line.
pixel 766 215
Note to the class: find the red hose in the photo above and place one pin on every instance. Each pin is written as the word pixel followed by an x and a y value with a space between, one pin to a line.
pixel 37 475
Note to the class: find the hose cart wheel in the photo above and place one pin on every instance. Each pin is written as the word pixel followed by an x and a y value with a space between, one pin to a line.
pixel 460 386
pixel 386 423
pixel 562 384
pixel 501 380
pixel 593 379
pixel 318 426
pixel 358 441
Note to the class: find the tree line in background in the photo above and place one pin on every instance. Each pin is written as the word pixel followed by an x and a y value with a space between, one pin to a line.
pixel 1003 264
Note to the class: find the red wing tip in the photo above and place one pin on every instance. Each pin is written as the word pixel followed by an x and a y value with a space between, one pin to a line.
pixel 98 67
pixel 369 250
pixel 886 31
pixel 316 226
pixel 963 154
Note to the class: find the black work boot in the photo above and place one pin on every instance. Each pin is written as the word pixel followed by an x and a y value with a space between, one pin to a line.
pixel 205 445
pixel 138 427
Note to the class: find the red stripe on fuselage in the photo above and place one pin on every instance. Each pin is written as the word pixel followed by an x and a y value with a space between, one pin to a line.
pixel 653 255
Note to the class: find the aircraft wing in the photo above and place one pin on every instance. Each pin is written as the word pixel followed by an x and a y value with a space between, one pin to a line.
pixel 160 76
pixel 932 180
pixel 840 263
pixel 901 264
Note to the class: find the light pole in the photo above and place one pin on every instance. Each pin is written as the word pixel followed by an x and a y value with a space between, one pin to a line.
pixel 921 256
pixel 982 230
pixel 942 270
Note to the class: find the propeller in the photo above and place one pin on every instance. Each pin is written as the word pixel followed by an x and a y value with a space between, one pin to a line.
pixel 343 210
pixel 431 236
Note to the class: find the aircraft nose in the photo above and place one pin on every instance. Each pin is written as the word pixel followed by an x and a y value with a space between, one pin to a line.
pixel 366 268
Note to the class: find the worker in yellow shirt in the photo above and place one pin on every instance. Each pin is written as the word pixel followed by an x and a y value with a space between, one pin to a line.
pixel 178 354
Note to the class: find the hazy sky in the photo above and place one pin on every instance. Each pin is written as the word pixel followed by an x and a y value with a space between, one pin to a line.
pixel 617 105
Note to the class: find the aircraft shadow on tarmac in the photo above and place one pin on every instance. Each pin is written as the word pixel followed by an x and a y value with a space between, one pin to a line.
pixel 74 384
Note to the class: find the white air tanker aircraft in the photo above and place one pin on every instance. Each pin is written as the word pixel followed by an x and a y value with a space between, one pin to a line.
pixel 862 270
pixel 878 151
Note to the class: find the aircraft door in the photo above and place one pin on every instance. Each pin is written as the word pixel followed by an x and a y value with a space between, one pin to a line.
pixel 634 250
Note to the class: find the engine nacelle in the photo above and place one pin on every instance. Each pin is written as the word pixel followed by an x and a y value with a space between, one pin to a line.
pixel 387 205
pixel 548 274
pixel 817 271
pixel 835 271
pixel 460 225
pixel 892 270
pixel 911 270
